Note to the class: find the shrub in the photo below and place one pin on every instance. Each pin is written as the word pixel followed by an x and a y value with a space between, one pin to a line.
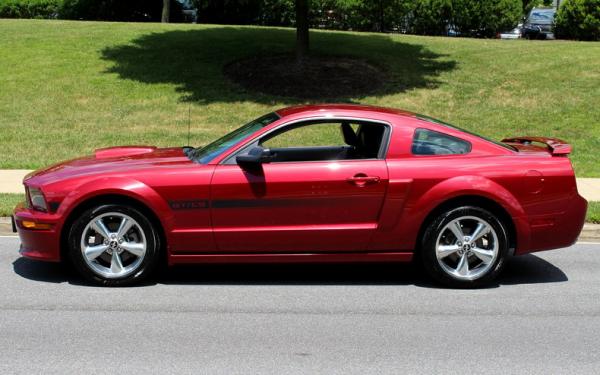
pixel 485 18
pixel 118 10
pixel 30 8
pixel 277 13
pixel 108 10
pixel 578 19
pixel 430 17
pixel 482 18
pixel 528 5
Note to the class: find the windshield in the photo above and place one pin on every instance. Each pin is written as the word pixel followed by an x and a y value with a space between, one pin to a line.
pixel 207 153
pixel 435 121
pixel 541 16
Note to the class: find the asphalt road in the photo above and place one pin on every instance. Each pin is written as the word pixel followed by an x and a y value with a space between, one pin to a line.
pixel 543 316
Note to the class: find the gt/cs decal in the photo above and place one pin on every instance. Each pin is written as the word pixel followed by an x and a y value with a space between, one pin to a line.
pixel 188 205
pixel 243 203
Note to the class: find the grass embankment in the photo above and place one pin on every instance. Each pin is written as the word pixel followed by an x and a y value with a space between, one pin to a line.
pixel 8 202
pixel 593 213
pixel 67 88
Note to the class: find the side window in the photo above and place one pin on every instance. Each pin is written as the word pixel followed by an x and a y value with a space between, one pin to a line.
pixel 429 142
pixel 315 135
pixel 326 140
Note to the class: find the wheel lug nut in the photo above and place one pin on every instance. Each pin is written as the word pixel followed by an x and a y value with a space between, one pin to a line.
pixel 120 240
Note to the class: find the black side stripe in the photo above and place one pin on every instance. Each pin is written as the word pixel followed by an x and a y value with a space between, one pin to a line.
pixel 249 203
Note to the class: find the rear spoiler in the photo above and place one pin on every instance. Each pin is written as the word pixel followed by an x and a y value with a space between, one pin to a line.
pixel 555 146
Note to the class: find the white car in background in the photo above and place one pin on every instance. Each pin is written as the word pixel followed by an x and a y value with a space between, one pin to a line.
pixel 512 34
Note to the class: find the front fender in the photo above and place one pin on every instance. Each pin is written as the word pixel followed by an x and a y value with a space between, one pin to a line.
pixel 123 186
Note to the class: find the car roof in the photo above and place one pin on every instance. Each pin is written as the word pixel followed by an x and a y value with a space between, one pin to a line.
pixel 411 119
pixel 395 117
pixel 340 110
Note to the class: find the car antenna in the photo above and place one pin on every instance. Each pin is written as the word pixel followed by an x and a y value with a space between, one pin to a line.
pixel 187 149
pixel 189 122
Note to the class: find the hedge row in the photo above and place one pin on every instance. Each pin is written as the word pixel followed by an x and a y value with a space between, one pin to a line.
pixel 107 10
pixel 576 19
pixel 30 8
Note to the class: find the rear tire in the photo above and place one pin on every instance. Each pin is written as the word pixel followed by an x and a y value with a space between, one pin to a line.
pixel 465 247
pixel 113 245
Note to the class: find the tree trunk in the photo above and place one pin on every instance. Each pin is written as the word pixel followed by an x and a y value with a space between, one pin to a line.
pixel 166 11
pixel 381 17
pixel 301 29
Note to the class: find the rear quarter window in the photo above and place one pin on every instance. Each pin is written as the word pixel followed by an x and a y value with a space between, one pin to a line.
pixel 429 142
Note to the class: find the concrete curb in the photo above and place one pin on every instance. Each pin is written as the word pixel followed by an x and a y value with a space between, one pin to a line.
pixel 590 232
pixel 5 227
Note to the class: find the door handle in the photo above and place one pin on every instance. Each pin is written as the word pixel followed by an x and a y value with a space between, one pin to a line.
pixel 362 179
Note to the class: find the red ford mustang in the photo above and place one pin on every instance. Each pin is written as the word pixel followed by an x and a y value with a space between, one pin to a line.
pixel 324 183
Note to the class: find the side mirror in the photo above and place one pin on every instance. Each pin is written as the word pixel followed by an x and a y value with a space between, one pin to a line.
pixel 255 157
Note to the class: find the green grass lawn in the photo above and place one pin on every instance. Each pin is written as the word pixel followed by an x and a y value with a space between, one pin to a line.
pixel 67 88
pixel 8 202
pixel 593 213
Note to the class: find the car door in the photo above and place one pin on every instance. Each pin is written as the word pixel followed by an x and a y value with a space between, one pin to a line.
pixel 298 205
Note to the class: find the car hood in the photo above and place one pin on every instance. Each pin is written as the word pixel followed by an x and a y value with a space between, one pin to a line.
pixel 107 161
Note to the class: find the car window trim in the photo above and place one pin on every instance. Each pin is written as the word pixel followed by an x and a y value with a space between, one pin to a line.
pixel 387 136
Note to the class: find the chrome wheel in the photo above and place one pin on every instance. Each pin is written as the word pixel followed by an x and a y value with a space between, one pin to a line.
pixel 113 245
pixel 467 248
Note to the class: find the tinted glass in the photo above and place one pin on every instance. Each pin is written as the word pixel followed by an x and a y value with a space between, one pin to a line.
pixel 428 142
pixel 439 122
pixel 542 16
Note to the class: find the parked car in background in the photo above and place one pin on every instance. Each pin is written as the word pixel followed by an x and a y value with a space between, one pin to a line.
pixel 512 34
pixel 539 24
pixel 188 11
pixel 452 31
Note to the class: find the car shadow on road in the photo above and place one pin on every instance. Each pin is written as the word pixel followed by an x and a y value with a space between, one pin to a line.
pixel 527 269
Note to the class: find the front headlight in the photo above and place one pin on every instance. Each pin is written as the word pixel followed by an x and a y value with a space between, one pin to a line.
pixel 37 200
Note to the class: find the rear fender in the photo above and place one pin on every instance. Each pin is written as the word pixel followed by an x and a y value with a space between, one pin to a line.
pixel 415 214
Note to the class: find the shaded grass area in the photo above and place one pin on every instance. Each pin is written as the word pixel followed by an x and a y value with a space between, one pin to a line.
pixel 593 213
pixel 70 87
pixel 8 203
pixel 317 77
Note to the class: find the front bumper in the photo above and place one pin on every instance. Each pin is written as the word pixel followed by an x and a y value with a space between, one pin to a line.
pixel 40 244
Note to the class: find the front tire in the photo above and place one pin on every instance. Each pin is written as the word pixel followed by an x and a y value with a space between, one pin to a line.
pixel 465 247
pixel 113 245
